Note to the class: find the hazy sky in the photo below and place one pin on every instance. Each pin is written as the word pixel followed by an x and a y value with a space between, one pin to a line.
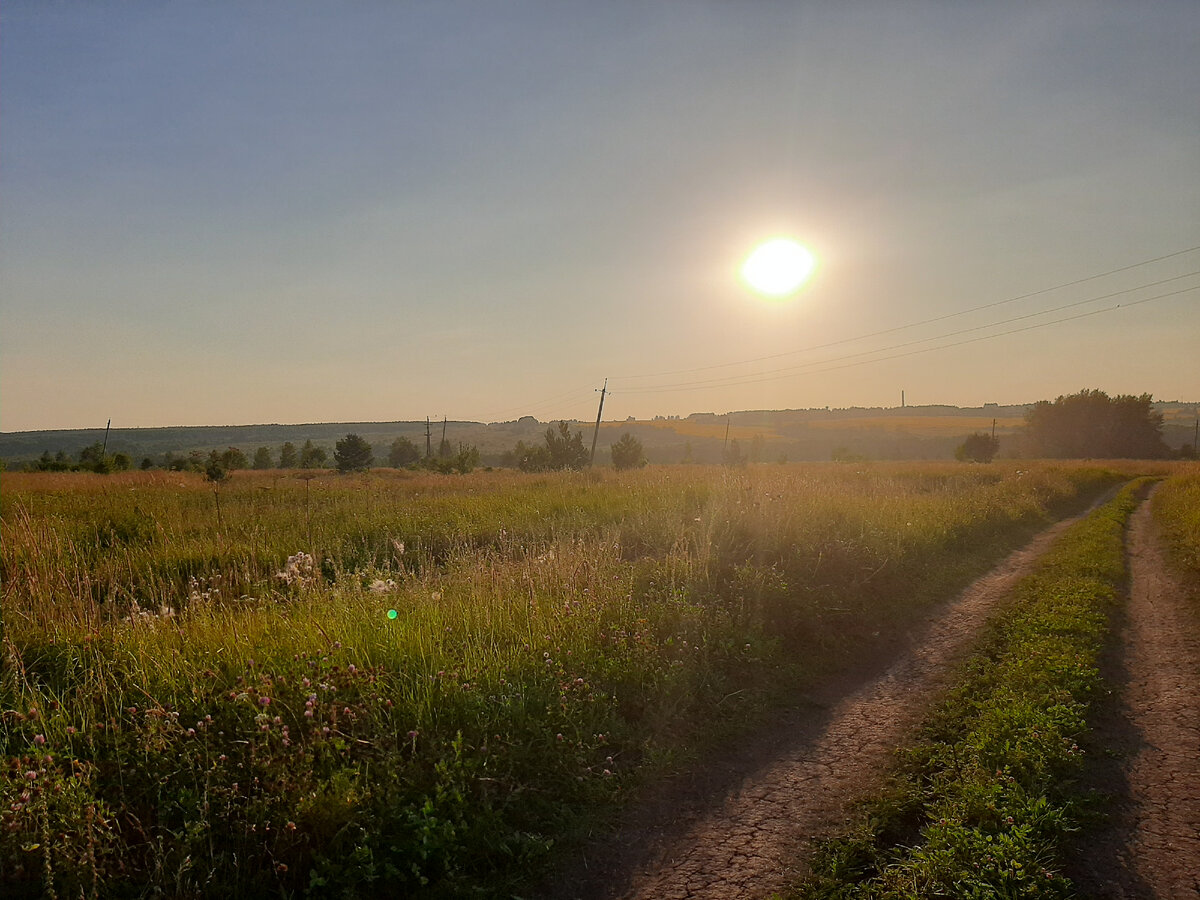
pixel 229 212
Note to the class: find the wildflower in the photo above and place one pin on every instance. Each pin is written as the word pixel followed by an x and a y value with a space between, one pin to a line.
pixel 70 729
pixel 264 701
pixel 39 739
pixel 191 732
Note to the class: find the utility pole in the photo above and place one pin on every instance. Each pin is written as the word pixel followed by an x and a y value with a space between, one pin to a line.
pixel 442 445
pixel 599 412
pixel 902 399
pixel 428 435
pixel 993 429
pixel 104 449
pixel 725 447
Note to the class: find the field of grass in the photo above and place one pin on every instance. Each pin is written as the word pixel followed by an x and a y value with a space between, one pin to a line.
pixel 426 685
pixel 1176 508
pixel 983 804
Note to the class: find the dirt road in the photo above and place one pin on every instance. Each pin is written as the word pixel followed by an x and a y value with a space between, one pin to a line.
pixel 751 839
pixel 1153 848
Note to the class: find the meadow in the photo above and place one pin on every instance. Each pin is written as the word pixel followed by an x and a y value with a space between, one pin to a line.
pixel 343 686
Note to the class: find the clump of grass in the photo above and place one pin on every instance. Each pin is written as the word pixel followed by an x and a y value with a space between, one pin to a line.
pixel 982 804
pixel 230 710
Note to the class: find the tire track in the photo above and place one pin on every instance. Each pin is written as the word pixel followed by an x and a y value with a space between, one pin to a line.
pixel 754 842
pixel 1153 849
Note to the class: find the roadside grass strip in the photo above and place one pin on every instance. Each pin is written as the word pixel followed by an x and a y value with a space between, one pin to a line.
pixel 1176 507
pixel 982 804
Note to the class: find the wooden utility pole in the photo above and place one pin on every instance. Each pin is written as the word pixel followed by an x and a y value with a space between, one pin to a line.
pixel 599 412
pixel 428 435
pixel 442 445
pixel 993 429
pixel 725 446
pixel 104 449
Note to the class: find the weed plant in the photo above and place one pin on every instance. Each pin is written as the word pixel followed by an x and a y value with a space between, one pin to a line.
pixel 982 804
pixel 417 685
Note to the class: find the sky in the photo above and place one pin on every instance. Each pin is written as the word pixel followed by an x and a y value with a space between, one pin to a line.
pixel 288 212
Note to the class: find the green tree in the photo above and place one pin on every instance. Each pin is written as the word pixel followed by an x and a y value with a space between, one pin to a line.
pixel 121 462
pixel 732 456
pixel 403 453
pixel 215 470
pixel 91 455
pixel 288 458
pixel 233 458
pixel 312 457
pixel 217 473
pixel 1090 424
pixel 262 458
pixel 977 447
pixel 566 451
pixel 527 457
pixel 147 463
pixel 352 454
pixel 628 453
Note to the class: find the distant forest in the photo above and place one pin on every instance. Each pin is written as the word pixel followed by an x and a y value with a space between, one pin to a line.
pixel 1086 424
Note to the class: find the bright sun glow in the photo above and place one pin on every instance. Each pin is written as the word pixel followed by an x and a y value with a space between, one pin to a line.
pixel 779 267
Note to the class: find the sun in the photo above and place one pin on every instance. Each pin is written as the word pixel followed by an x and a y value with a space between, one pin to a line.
pixel 779 267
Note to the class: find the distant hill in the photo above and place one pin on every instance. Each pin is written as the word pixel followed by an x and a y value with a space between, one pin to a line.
pixel 910 432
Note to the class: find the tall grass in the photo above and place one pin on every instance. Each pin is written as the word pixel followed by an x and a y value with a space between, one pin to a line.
pixel 1176 507
pixel 177 717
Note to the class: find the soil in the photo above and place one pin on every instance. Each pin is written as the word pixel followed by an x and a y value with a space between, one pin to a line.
pixel 1152 849
pixel 742 828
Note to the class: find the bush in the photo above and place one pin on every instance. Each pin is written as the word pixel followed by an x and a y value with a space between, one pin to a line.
pixel 978 447
pixel 352 454
pixel 627 453
pixel 403 453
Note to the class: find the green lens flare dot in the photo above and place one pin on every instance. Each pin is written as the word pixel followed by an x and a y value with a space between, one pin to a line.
pixel 392 614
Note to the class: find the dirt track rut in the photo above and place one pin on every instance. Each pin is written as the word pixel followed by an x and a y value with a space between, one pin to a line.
pixel 754 841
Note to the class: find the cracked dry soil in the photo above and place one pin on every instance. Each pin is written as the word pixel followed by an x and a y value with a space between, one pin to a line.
pixel 744 832
pixel 1153 848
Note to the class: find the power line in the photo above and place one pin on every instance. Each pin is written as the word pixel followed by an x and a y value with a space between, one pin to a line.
pixel 863 337
pixel 728 380
pixel 780 374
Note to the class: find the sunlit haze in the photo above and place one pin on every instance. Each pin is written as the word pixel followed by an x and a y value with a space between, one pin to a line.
pixel 278 212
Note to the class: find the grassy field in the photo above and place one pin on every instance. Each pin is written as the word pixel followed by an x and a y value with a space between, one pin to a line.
pixel 427 685
pixel 1176 508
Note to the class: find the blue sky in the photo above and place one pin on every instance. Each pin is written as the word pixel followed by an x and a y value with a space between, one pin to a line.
pixel 293 212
